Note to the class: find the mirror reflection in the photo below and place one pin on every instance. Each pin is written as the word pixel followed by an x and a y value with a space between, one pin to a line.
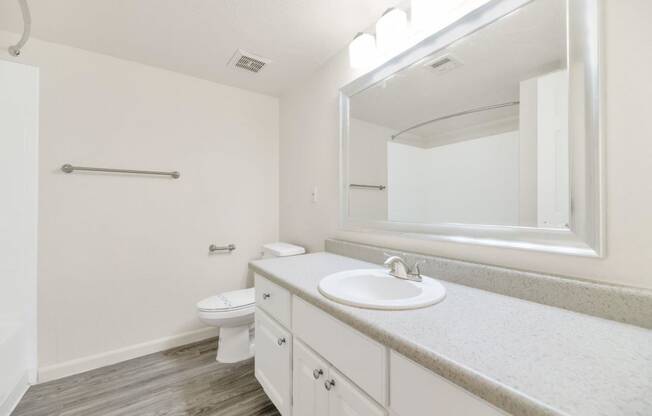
pixel 476 133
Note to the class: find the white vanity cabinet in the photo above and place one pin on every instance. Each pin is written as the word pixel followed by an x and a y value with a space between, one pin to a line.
pixel 320 390
pixel 416 391
pixel 309 373
pixel 354 354
pixel 273 365
pixel 345 399
pixel 274 300
pixel 312 364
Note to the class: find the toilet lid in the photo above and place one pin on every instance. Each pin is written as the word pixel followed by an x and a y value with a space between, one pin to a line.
pixel 236 299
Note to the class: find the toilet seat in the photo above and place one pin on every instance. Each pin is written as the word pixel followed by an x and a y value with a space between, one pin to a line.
pixel 233 313
pixel 236 300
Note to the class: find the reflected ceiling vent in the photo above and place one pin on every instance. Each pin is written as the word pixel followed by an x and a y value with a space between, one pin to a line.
pixel 443 64
pixel 248 61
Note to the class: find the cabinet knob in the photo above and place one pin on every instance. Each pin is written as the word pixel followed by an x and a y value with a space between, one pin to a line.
pixel 266 296
pixel 317 373
pixel 329 384
pixel 281 341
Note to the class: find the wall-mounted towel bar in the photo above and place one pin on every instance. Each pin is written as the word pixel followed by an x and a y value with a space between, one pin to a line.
pixel 379 187
pixel 70 168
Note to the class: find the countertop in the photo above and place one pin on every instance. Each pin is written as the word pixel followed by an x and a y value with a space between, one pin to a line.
pixel 523 357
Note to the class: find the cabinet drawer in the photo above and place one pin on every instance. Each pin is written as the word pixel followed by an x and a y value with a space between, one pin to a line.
pixel 416 391
pixel 273 299
pixel 357 356
pixel 273 364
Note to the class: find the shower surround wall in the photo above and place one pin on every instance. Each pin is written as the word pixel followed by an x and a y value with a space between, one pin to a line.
pixel 18 207
pixel 124 258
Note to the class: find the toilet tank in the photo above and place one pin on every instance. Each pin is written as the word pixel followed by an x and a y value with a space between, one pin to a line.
pixel 280 249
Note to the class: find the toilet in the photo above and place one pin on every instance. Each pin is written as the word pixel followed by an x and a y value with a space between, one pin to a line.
pixel 233 312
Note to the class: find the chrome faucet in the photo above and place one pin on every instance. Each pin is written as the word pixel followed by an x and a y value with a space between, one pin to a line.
pixel 398 268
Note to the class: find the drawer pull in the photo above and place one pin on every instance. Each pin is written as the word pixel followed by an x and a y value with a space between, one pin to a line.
pixel 281 341
pixel 329 384
pixel 317 373
pixel 266 296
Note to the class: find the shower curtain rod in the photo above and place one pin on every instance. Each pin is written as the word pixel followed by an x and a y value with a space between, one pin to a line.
pixel 14 50
pixel 461 113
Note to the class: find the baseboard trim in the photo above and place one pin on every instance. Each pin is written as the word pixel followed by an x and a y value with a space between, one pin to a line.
pixel 15 396
pixel 91 362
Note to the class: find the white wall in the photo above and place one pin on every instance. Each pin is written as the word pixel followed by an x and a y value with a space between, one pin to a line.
pixel 18 214
pixel 407 183
pixel 528 120
pixel 368 154
pixel 553 186
pixel 470 182
pixel 309 157
pixel 123 259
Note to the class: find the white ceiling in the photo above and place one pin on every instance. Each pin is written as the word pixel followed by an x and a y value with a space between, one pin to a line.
pixel 198 37
pixel 494 60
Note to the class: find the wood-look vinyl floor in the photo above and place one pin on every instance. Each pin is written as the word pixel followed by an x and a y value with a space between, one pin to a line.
pixel 184 381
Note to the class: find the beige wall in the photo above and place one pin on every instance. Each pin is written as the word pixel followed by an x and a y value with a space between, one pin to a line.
pixel 309 157
pixel 123 259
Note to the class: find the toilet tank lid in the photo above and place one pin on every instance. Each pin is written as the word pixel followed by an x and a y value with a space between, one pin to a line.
pixel 280 249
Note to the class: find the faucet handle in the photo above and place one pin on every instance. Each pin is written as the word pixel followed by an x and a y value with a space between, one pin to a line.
pixel 416 269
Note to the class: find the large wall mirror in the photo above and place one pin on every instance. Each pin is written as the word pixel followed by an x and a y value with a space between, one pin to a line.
pixel 487 132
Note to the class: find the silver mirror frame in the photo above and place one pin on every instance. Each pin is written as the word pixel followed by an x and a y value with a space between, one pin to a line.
pixel 586 233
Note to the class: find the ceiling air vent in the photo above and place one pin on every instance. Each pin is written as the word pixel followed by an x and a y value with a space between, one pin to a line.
pixel 248 61
pixel 443 64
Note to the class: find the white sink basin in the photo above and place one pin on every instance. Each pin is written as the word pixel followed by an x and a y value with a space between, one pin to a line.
pixel 376 289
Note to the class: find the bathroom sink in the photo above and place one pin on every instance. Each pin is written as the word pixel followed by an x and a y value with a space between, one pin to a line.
pixel 376 289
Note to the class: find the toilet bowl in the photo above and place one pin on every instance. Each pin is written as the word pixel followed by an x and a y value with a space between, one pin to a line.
pixel 233 313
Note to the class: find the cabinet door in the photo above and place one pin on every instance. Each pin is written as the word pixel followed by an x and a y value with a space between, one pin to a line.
pixel 416 391
pixel 310 397
pixel 345 399
pixel 274 361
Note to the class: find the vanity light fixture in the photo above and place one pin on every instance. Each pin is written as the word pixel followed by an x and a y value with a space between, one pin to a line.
pixel 391 30
pixel 393 33
pixel 362 50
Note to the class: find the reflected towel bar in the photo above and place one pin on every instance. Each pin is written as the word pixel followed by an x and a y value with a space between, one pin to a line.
pixel 379 187
pixel 70 168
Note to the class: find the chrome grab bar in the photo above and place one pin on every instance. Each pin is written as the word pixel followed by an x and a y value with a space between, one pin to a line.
pixel 213 248
pixel 68 168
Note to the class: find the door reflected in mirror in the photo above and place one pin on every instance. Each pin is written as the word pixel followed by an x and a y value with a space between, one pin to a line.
pixel 476 133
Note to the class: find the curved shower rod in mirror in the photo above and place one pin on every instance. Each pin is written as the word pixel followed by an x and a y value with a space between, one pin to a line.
pixel 14 50
pixel 458 114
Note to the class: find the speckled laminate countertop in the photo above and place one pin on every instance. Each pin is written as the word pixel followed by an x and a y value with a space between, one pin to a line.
pixel 523 357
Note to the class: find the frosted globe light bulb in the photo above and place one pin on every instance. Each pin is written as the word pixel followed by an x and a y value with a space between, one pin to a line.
pixel 391 31
pixel 362 50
